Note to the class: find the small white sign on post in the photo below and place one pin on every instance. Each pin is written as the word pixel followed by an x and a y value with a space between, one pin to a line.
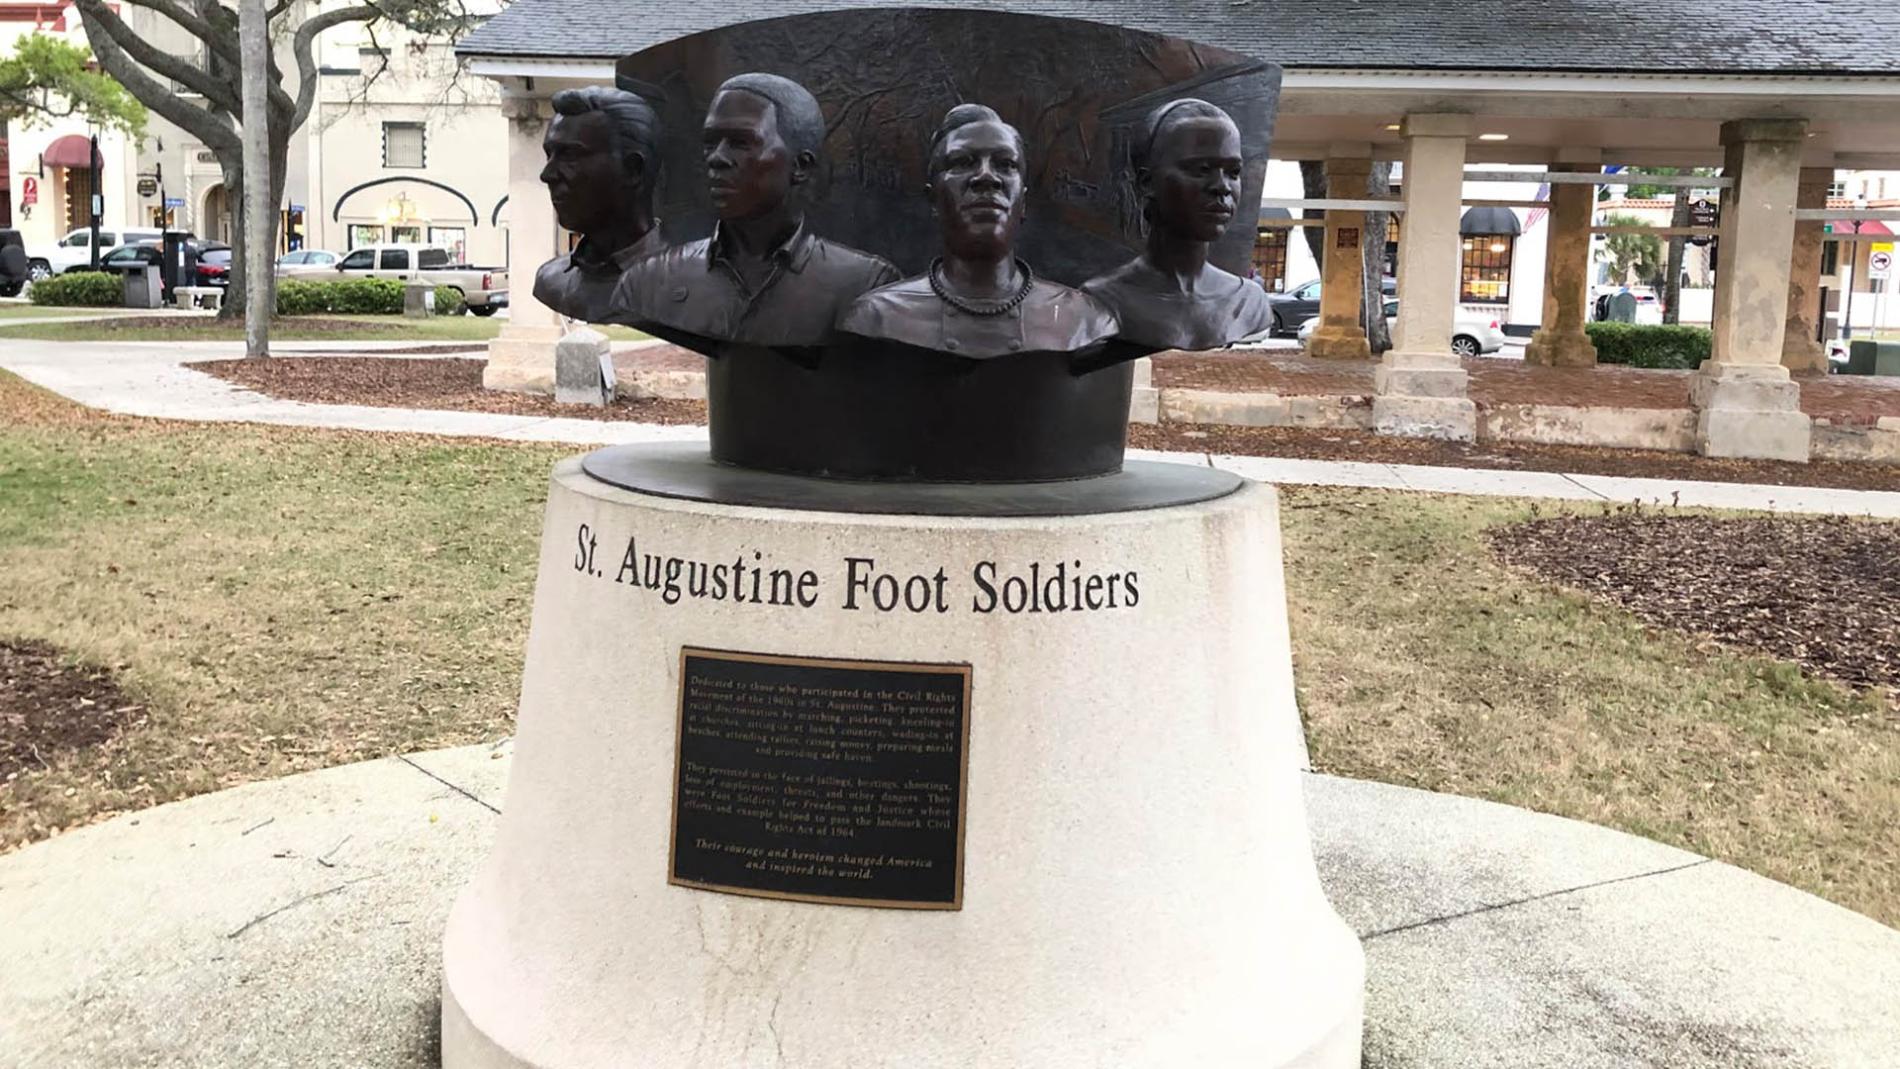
pixel 1879 262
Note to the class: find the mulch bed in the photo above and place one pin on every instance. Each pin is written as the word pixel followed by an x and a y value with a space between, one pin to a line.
pixel 1821 592
pixel 48 707
pixel 448 383
pixel 1505 456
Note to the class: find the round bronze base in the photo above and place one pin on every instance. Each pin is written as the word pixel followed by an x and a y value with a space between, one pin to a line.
pixel 687 470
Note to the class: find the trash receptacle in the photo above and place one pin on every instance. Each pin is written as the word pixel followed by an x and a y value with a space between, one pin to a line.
pixel 143 287
pixel 1868 357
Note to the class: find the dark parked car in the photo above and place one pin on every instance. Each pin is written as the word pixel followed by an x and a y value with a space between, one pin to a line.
pixel 214 265
pixel 13 263
pixel 1301 303
pixel 149 253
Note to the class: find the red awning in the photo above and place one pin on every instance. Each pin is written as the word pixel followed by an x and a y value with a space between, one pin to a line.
pixel 1867 226
pixel 69 151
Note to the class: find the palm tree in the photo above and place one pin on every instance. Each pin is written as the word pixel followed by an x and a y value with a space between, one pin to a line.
pixel 1634 257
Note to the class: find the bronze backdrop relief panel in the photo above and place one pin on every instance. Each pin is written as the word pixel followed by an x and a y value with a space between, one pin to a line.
pixel 1078 91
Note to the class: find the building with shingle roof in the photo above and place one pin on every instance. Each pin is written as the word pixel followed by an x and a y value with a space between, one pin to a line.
pixel 1787 91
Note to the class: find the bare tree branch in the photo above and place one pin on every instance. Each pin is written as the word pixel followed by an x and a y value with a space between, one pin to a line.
pixel 303 46
pixel 217 134
pixel 159 62
pixel 198 26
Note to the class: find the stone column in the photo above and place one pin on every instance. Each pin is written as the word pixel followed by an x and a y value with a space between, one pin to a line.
pixel 1419 386
pixel 1560 341
pixel 1746 404
pixel 521 358
pixel 1341 334
pixel 1801 349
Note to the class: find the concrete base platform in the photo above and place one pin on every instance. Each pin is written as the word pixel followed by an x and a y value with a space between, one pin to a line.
pixel 298 922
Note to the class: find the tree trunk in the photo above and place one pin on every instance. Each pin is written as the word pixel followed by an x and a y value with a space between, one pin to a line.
pixel 259 209
pixel 1313 183
pixel 1372 297
pixel 1672 281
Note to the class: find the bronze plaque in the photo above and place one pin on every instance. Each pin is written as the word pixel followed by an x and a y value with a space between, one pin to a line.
pixel 1348 237
pixel 821 780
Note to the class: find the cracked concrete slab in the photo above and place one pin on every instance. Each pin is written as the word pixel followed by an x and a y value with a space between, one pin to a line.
pixel 297 922
pixel 294 922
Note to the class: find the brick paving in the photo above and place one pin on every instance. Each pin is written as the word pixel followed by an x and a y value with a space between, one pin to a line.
pixel 1841 398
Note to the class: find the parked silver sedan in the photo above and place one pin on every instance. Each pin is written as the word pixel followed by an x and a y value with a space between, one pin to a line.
pixel 305 261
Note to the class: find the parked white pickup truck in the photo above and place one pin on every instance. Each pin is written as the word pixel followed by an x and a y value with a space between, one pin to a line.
pixel 484 288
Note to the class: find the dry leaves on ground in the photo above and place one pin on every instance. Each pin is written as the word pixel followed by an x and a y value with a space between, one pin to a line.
pixel 1821 592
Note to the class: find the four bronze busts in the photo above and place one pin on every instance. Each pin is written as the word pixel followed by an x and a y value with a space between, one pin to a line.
pixel 823 362
pixel 762 278
pixel 1187 174
pixel 599 174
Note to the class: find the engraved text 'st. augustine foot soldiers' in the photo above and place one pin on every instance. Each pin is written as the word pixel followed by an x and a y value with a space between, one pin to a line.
pixel 978 300
pixel 1188 173
pixel 602 163
pixel 763 278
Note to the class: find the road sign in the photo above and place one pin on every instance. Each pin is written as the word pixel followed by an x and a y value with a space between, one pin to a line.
pixel 1702 213
pixel 1880 261
pixel 174 202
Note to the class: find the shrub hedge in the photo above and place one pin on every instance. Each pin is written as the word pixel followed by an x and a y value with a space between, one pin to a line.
pixel 1643 345
pixel 90 289
pixel 449 301
pixel 356 296
pixel 353 296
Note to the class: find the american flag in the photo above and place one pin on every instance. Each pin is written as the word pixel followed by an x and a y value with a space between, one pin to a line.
pixel 1537 214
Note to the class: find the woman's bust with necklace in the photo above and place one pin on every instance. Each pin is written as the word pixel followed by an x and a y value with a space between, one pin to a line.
pixel 978 300
pixel 1188 176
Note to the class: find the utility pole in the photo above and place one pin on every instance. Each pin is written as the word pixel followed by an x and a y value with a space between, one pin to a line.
pixel 254 54
pixel 97 201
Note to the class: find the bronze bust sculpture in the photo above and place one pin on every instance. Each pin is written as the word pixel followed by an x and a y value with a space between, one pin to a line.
pixel 978 300
pixel 1188 175
pixel 600 174
pixel 763 277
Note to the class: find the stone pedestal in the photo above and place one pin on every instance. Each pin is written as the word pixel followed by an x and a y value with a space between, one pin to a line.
pixel 418 300
pixel 1751 411
pixel 1137 881
pixel 1423 395
pixel 521 359
pixel 578 360
pixel 1144 401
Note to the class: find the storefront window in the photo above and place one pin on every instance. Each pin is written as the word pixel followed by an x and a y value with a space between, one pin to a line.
pixel 361 234
pixel 1486 271
pixel 452 238
pixel 405 235
pixel 1269 257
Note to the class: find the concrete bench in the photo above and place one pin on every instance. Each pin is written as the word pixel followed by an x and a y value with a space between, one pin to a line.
pixel 207 297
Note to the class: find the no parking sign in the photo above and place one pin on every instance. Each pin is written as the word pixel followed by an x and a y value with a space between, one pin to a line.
pixel 1880 260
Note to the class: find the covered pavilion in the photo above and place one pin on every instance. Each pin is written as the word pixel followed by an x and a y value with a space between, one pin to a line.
pixel 1754 87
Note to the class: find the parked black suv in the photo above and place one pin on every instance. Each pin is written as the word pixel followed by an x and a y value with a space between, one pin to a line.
pixel 12 263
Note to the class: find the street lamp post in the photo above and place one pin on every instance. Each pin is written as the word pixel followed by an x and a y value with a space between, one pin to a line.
pixel 1853 250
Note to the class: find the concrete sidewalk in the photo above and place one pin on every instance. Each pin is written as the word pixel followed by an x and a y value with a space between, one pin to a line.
pixel 297 922
pixel 147 379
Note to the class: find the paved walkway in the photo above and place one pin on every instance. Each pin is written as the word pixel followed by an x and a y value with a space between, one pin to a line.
pixel 146 379
pixel 298 922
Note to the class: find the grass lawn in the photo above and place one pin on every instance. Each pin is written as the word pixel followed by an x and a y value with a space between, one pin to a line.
pixel 11 310
pixel 284 599
pixel 288 328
